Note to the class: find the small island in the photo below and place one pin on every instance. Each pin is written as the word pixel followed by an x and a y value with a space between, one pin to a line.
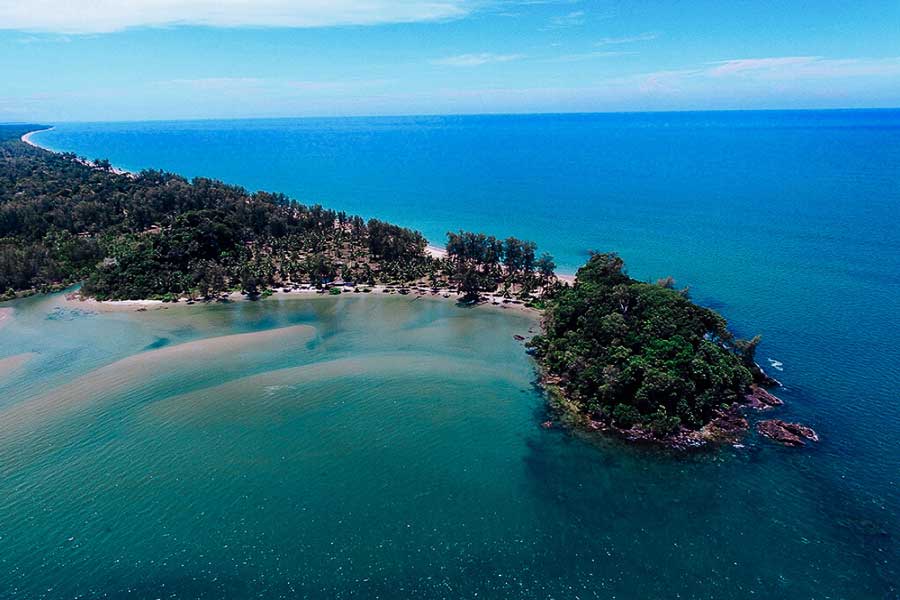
pixel 618 355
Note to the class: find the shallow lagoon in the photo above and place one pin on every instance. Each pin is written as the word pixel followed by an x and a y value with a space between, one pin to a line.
pixel 379 446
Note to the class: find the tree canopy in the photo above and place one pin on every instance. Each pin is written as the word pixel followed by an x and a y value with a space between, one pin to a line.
pixel 627 352
pixel 155 234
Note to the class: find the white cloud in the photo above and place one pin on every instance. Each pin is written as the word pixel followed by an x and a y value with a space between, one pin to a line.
pixel 804 67
pixel 743 65
pixel 102 16
pixel 572 19
pixel 475 60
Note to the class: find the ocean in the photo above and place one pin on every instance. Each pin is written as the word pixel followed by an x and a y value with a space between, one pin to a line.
pixel 436 480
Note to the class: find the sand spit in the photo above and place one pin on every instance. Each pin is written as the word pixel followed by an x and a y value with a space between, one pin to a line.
pixel 27 137
pixel 11 364
pixel 131 372
pixel 389 366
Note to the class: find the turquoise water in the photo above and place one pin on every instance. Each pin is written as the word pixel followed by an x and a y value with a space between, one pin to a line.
pixel 785 222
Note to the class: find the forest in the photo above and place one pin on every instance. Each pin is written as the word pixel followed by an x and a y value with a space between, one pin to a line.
pixel 634 354
pixel 156 235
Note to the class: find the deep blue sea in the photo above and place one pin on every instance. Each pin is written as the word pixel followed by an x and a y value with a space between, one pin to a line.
pixel 788 223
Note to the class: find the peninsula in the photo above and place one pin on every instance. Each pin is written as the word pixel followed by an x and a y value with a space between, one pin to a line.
pixel 616 354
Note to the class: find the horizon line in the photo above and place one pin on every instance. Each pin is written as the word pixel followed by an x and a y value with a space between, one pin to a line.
pixel 473 114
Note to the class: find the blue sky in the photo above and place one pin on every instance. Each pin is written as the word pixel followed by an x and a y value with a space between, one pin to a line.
pixel 165 59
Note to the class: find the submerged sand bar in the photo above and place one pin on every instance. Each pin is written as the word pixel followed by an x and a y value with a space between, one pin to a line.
pixel 134 371
pixel 11 364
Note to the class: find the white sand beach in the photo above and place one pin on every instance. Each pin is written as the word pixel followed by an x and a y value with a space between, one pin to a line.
pixel 27 137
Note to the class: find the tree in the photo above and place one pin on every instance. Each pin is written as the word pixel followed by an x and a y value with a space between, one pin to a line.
pixel 640 353
pixel 546 268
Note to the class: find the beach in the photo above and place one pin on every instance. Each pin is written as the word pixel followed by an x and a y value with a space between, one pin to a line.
pixel 27 138
pixel 488 301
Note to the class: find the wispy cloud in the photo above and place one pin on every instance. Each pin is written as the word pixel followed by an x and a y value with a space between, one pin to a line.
pixel 803 67
pixel 766 76
pixel 744 65
pixel 572 19
pixel 580 56
pixel 102 16
pixel 612 41
pixel 476 60
pixel 244 85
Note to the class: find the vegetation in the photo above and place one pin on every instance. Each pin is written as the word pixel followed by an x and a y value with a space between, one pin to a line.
pixel 482 263
pixel 628 353
pixel 156 235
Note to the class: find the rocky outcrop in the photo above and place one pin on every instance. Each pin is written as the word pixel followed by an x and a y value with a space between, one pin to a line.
pixel 789 434
pixel 728 426
pixel 760 399
pixel 763 378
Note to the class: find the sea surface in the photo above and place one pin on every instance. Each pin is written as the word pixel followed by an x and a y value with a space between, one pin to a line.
pixel 390 448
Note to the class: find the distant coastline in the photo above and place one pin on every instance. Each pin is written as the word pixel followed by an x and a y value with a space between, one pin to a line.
pixel 27 138
pixel 432 249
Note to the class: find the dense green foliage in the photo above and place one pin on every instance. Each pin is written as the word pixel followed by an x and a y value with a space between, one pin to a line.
pixel 482 263
pixel 627 352
pixel 155 234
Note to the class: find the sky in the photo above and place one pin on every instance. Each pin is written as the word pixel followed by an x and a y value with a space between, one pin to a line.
pixel 105 60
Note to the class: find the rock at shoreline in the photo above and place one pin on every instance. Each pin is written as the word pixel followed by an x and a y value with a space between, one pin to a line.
pixel 760 399
pixel 728 425
pixel 789 434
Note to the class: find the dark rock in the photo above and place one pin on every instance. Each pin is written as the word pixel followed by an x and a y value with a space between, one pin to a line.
pixel 728 425
pixel 789 434
pixel 762 378
pixel 760 399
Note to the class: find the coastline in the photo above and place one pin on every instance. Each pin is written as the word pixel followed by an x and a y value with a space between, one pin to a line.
pixel 432 249
pixel 113 169
pixel 27 138
pixel 490 301
pixel 435 251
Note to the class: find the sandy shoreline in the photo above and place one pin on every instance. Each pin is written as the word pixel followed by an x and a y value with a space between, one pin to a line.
pixel 438 252
pixel 27 138
pixel 378 291
pixel 490 301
